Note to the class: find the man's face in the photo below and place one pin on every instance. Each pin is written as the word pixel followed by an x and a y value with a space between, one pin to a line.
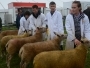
pixel 52 7
pixel 26 16
pixel 35 11
pixel 75 8
pixel 20 11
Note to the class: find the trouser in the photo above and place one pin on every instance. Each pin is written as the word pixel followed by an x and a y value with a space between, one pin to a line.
pixel 18 25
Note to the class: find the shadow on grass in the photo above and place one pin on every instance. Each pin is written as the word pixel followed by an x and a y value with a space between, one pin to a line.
pixel 15 62
pixel 87 65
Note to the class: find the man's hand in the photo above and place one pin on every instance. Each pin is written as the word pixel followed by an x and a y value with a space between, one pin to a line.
pixel 77 42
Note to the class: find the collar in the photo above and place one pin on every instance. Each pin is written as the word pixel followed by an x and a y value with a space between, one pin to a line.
pixel 36 15
pixel 77 15
pixel 52 12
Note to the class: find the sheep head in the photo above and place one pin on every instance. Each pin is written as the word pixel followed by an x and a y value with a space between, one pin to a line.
pixel 86 42
pixel 26 34
pixel 40 30
pixel 30 32
pixel 61 36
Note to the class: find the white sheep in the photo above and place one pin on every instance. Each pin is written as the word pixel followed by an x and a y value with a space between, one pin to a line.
pixel 14 45
pixel 5 39
pixel 30 50
pixel 74 58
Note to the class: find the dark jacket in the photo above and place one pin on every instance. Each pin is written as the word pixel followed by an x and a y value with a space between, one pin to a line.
pixel 0 23
pixel 18 20
pixel 36 16
pixel 87 12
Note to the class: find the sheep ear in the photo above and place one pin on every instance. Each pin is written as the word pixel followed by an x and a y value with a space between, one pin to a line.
pixel 58 35
pixel 38 28
pixel 65 36
pixel 84 41
pixel 55 33
pixel 62 35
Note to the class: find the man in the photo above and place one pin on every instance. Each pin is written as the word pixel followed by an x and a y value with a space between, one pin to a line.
pixel 0 24
pixel 19 15
pixel 55 23
pixel 87 12
pixel 24 24
pixel 77 26
pixel 37 19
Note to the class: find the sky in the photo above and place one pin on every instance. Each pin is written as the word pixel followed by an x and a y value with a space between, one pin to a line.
pixel 58 2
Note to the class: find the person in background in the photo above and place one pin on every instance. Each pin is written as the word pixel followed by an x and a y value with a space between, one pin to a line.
pixel 0 24
pixel 24 24
pixel 54 22
pixel 77 26
pixel 19 15
pixel 87 12
pixel 37 19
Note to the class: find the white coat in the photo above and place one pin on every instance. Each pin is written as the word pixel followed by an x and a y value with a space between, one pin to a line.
pixel 85 30
pixel 24 25
pixel 40 21
pixel 55 24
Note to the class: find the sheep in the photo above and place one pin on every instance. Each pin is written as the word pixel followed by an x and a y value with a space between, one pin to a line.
pixel 74 58
pixel 14 45
pixel 29 50
pixel 5 39
pixel 8 32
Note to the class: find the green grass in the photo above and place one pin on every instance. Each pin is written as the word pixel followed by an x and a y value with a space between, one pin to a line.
pixel 87 65
pixel 16 60
pixel 8 28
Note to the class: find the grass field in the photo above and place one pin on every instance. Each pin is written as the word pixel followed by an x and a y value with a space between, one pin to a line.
pixel 16 60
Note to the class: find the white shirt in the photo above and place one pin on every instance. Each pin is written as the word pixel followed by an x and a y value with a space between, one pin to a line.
pixel 85 27
pixel 40 21
pixel 24 25
pixel 55 24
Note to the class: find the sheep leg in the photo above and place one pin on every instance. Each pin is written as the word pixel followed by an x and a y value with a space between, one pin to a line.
pixel 24 65
pixel 9 57
pixel 21 63
pixel 3 53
